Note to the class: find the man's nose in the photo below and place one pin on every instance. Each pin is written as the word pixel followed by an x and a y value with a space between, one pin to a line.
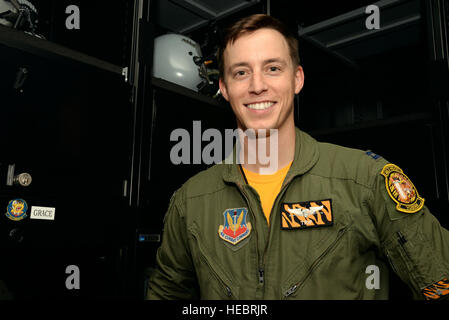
pixel 257 83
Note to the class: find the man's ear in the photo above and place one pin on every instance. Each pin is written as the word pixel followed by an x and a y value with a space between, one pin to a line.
pixel 223 89
pixel 299 79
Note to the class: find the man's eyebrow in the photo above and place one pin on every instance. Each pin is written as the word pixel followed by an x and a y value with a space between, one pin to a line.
pixel 238 64
pixel 267 61
pixel 278 60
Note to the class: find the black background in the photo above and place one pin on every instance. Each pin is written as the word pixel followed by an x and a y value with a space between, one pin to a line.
pixel 81 131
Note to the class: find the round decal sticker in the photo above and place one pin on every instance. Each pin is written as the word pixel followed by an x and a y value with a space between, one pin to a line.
pixel 17 209
pixel 401 189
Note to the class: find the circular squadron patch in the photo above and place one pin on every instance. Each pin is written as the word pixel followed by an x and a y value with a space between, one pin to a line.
pixel 401 189
pixel 17 209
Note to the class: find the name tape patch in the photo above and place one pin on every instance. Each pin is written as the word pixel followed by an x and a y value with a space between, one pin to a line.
pixel 42 213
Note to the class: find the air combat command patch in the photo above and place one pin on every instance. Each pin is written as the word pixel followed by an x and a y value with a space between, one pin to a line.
pixel 401 189
pixel 17 209
pixel 235 227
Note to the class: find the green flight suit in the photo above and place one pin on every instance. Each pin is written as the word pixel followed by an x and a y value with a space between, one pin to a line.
pixel 337 259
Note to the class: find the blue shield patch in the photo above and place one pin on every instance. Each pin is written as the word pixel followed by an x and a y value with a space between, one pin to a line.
pixel 235 227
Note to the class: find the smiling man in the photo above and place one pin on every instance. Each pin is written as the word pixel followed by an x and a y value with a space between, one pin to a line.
pixel 324 225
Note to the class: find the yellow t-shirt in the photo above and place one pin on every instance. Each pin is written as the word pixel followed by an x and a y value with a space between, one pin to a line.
pixel 267 186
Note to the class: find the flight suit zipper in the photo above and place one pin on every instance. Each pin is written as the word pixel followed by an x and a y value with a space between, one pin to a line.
pixel 295 286
pixel 409 264
pixel 261 277
pixel 262 265
pixel 283 188
pixel 261 271
pixel 227 291
pixel 217 275
pixel 402 241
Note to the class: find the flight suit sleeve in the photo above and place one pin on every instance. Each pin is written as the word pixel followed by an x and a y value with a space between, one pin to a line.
pixel 414 242
pixel 174 276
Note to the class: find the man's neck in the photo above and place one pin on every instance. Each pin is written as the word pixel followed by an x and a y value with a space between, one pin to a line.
pixel 278 156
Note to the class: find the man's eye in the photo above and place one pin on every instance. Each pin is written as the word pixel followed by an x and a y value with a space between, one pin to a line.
pixel 240 73
pixel 274 69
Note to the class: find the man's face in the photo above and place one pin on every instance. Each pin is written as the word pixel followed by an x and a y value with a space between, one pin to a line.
pixel 260 80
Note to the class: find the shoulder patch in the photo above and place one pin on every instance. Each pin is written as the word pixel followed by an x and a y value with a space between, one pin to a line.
pixel 401 190
pixel 436 290
pixel 372 155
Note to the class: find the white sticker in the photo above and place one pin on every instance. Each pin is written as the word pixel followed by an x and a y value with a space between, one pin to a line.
pixel 43 213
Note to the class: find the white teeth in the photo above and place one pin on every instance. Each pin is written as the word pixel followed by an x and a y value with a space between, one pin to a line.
pixel 260 106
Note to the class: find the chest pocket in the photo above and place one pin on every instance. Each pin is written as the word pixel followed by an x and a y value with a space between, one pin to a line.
pixel 311 247
pixel 215 283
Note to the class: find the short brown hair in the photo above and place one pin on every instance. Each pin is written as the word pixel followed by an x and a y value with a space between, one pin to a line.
pixel 251 24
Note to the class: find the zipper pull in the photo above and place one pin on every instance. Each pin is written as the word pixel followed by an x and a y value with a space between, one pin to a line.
pixel 290 291
pixel 261 278
pixel 402 240
pixel 228 292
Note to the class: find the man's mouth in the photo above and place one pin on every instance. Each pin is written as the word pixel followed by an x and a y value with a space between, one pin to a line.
pixel 260 105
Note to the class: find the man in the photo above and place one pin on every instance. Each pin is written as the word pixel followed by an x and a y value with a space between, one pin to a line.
pixel 322 226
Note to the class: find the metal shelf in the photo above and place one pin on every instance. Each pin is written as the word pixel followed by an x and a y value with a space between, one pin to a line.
pixel 373 124
pixel 167 85
pixel 27 43
pixel 347 38
pixel 184 16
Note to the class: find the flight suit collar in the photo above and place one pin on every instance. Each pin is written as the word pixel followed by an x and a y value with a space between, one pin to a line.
pixel 306 156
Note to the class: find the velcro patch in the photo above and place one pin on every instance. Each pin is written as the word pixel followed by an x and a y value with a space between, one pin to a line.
pixel 235 227
pixel 373 155
pixel 401 190
pixel 308 214
pixel 436 290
